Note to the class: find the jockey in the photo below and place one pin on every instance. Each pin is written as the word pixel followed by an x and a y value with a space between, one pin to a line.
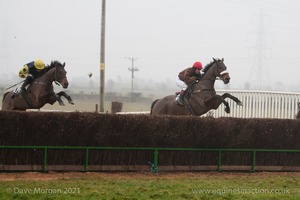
pixel 186 77
pixel 30 71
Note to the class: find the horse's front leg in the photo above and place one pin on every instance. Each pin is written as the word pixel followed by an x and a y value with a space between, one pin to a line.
pixel 60 102
pixel 227 108
pixel 58 98
pixel 55 98
pixel 235 99
pixel 62 93
pixel 215 102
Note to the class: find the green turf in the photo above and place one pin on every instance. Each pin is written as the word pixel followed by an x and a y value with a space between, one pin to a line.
pixel 157 186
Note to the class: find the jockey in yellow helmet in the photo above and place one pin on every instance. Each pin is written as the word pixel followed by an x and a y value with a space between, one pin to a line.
pixel 30 71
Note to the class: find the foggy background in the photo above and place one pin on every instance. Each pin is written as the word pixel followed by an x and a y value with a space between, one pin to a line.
pixel 259 40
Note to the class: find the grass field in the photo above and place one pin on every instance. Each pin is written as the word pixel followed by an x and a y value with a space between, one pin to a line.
pixel 208 185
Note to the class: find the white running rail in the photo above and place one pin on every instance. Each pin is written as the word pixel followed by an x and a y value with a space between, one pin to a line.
pixel 256 104
pixel 260 104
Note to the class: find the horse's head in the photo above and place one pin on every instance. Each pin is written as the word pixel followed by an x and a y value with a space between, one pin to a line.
pixel 60 73
pixel 221 70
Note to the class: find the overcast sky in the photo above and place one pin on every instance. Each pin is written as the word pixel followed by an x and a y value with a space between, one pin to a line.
pixel 259 39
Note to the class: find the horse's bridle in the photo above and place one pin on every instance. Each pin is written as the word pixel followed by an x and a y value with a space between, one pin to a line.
pixel 221 73
pixel 56 79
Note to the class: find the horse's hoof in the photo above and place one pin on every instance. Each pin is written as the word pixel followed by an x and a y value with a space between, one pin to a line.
pixel 71 102
pixel 227 110
pixel 240 103
pixel 61 103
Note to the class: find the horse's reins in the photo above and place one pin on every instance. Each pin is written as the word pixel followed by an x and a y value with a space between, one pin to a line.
pixel 56 80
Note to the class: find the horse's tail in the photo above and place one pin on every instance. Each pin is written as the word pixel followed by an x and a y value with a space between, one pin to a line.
pixel 152 105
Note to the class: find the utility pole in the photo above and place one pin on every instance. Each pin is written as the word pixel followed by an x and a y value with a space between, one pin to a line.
pixel 132 69
pixel 102 57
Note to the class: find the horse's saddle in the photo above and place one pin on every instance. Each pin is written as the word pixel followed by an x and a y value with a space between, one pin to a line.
pixel 188 91
pixel 187 95
pixel 16 92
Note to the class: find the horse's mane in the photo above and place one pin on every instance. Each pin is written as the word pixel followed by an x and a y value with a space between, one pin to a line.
pixel 53 64
pixel 208 66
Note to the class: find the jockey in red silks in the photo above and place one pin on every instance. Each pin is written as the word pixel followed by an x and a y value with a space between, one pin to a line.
pixel 186 77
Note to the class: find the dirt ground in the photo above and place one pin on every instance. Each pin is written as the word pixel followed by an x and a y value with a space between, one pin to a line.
pixel 134 175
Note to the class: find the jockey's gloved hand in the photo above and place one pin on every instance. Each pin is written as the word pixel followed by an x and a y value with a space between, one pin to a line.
pixel 191 79
pixel 29 77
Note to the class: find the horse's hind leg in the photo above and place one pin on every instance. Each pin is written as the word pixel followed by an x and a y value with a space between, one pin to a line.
pixel 235 99
pixel 62 93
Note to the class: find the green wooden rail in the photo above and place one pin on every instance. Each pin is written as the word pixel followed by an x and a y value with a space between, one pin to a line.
pixel 154 149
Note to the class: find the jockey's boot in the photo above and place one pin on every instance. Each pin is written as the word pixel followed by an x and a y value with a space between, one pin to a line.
pixel 23 89
pixel 179 100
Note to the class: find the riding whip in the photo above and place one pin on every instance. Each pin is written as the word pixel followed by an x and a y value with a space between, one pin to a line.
pixel 14 85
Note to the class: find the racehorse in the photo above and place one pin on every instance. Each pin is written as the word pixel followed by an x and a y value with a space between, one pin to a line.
pixel 40 91
pixel 201 96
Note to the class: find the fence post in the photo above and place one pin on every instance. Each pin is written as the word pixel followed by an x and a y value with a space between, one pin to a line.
pixel 45 159
pixel 253 160
pixel 219 160
pixel 86 163
pixel 155 168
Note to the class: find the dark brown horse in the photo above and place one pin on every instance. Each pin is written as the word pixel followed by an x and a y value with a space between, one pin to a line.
pixel 40 91
pixel 201 97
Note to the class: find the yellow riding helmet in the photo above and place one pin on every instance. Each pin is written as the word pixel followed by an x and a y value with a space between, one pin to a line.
pixel 39 64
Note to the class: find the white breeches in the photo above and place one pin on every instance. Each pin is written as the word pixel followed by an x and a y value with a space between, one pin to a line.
pixel 181 84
